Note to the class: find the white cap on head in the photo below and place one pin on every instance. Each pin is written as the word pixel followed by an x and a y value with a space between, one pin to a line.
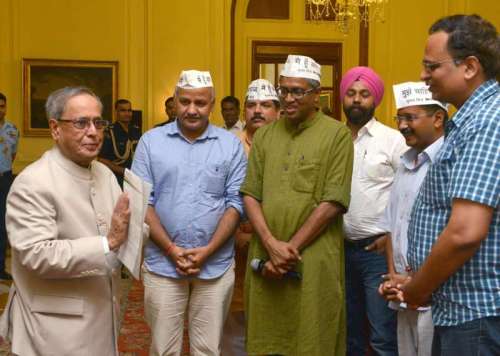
pixel 301 67
pixel 194 79
pixel 261 89
pixel 413 94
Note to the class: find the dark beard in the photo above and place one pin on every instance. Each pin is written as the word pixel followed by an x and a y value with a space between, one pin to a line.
pixel 360 116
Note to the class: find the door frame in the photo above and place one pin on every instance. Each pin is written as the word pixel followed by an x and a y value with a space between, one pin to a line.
pixel 325 53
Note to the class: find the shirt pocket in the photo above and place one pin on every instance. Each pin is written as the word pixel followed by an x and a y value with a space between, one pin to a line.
pixel 376 167
pixel 213 182
pixel 306 176
pixel 439 174
pixel 51 304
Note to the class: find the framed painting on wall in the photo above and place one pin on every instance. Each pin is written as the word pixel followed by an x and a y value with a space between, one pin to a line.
pixel 42 76
pixel 326 99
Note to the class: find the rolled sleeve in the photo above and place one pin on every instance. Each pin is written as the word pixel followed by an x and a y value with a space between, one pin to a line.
pixel 236 175
pixel 141 165
pixel 476 172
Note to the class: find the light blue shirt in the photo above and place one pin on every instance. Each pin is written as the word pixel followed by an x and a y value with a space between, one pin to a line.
pixel 407 182
pixel 193 185
pixel 9 137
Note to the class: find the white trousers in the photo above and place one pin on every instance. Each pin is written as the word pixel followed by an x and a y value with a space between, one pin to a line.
pixel 233 340
pixel 207 302
pixel 415 332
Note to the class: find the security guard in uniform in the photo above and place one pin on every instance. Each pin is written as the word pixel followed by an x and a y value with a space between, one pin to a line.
pixel 120 140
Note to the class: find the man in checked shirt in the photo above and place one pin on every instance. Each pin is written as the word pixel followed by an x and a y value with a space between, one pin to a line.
pixel 454 230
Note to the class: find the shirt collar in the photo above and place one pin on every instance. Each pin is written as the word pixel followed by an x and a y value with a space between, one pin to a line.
pixel 239 125
pixel 430 152
pixel 371 128
pixel 172 129
pixel 483 92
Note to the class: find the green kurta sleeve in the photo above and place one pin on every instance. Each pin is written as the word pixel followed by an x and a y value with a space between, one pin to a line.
pixel 337 186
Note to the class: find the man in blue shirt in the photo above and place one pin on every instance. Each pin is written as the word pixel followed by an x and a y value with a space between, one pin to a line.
pixel 8 148
pixel 454 230
pixel 196 170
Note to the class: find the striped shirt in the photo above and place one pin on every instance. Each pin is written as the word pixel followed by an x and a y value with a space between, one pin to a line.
pixel 467 167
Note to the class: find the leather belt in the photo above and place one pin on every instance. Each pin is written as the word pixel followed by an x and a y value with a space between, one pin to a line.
pixel 363 242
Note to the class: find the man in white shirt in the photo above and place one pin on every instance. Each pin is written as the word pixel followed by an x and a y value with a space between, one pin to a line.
pixel 377 152
pixel 230 110
pixel 421 120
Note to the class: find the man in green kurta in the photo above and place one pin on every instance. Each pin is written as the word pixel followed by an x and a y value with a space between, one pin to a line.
pixel 296 189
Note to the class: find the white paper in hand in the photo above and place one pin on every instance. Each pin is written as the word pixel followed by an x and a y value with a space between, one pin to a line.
pixel 130 251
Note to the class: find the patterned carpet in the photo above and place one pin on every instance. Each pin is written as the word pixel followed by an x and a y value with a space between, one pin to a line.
pixel 135 336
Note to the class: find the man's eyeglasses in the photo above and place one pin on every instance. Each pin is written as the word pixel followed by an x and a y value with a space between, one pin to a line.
pixel 83 123
pixel 409 117
pixel 297 93
pixel 432 66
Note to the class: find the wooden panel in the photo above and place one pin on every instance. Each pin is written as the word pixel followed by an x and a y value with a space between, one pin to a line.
pixel 268 9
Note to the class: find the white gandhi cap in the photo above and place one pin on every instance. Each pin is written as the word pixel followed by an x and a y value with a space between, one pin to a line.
pixel 194 79
pixel 301 67
pixel 261 89
pixel 414 94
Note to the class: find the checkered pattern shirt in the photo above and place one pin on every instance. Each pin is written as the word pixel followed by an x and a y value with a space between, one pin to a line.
pixel 467 167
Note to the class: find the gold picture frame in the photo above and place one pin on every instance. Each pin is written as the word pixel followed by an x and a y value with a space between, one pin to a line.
pixel 326 99
pixel 42 76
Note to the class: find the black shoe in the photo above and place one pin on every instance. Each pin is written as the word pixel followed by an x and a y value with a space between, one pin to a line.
pixel 5 276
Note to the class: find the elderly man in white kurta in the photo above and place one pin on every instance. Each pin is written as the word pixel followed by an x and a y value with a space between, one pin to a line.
pixel 65 218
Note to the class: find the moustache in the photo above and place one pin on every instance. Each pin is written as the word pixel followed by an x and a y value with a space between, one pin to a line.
pixel 360 108
pixel 188 116
pixel 257 117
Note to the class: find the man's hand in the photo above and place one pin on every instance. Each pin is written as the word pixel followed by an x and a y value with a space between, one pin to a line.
pixel 183 266
pixel 283 255
pixel 269 271
pixel 414 298
pixel 389 288
pixel 197 256
pixel 394 289
pixel 118 231
pixel 378 246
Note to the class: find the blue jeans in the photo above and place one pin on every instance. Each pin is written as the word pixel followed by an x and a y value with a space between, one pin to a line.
pixel 480 337
pixel 364 272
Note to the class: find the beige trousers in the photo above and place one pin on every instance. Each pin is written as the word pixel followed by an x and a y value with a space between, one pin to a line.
pixel 415 332
pixel 166 300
